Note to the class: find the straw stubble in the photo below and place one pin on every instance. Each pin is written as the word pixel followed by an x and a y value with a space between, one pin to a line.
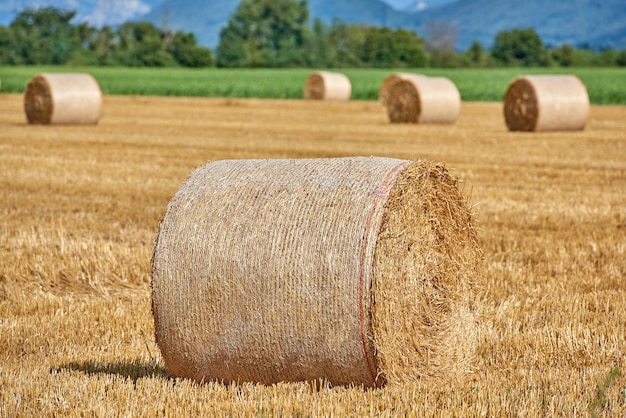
pixel 354 270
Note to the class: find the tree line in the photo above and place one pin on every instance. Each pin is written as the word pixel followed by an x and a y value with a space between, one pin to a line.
pixel 47 36
pixel 275 33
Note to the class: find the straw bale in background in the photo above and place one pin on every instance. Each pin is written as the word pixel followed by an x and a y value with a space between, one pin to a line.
pixel 356 270
pixel 546 103
pixel 324 85
pixel 423 100
pixel 63 98
pixel 389 81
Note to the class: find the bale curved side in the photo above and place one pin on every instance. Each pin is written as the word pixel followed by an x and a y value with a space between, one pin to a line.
pixel 424 100
pixel 291 270
pixel 324 85
pixel 63 98
pixel 546 103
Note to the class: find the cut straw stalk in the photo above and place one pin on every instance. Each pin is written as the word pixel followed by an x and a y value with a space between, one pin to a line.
pixel 63 98
pixel 324 85
pixel 423 100
pixel 546 103
pixel 354 270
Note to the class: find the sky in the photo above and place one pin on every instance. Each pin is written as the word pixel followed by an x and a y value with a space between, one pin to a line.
pixel 114 12
pixel 415 4
pixel 111 12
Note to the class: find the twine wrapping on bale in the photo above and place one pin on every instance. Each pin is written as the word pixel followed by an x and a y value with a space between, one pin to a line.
pixel 324 85
pixel 389 81
pixel 423 100
pixel 63 98
pixel 355 270
pixel 546 103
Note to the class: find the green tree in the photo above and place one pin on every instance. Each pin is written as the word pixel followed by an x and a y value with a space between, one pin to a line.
pixel 103 46
pixel 322 54
pixel 621 58
pixel 347 41
pixel 8 53
pixel 187 53
pixel 519 47
pixel 45 35
pixel 564 55
pixel 476 55
pixel 265 33
pixel 141 44
pixel 409 48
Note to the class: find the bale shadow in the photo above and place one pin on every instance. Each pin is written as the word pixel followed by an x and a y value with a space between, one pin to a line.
pixel 132 370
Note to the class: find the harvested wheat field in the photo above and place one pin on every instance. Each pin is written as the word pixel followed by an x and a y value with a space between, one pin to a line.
pixel 81 207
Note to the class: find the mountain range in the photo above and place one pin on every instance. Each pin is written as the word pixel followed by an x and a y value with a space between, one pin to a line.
pixel 592 23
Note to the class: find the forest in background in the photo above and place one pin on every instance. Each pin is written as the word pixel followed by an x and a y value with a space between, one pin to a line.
pixel 275 34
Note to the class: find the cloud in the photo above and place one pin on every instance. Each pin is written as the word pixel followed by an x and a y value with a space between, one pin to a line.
pixel 19 5
pixel 113 12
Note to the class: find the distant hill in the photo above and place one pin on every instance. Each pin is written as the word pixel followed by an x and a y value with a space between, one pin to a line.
pixel 593 23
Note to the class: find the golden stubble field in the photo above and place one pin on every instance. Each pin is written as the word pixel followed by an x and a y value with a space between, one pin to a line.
pixel 80 208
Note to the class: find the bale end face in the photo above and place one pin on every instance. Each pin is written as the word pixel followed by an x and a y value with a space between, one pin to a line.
pixel 521 110
pixel 38 102
pixel 427 263
pixel 403 102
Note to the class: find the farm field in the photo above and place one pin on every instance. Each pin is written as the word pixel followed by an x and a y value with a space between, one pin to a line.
pixel 80 209
pixel 604 85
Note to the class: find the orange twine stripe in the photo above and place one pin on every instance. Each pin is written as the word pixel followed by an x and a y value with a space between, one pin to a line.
pixel 381 192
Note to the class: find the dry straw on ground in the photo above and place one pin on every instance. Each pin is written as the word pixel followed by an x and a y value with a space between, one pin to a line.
pixel 63 98
pixel 389 81
pixel 423 100
pixel 546 103
pixel 355 270
pixel 324 85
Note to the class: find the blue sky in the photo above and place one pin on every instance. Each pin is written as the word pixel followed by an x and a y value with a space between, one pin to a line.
pixel 114 12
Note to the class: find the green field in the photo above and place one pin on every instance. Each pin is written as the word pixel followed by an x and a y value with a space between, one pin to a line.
pixel 605 85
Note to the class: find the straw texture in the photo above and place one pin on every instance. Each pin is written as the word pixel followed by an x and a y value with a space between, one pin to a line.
pixel 63 98
pixel 389 81
pixel 355 270
pixel 546 103
pixel 324 85
pixel 423 100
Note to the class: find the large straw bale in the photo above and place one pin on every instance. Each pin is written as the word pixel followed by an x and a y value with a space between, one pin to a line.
pixel 423 100
pixel 63 98
pixel 324 85
pixel 389 81
pixel 546 103
pixel 355 270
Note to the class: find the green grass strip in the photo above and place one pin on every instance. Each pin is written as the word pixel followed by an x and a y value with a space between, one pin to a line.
pixel 605 85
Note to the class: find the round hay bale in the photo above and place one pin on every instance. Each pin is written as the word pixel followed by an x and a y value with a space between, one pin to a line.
pixel 423 100
pixel 355 270
pixel 389 81
pixel 63 98
pixel 546 103
pixel 324 85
